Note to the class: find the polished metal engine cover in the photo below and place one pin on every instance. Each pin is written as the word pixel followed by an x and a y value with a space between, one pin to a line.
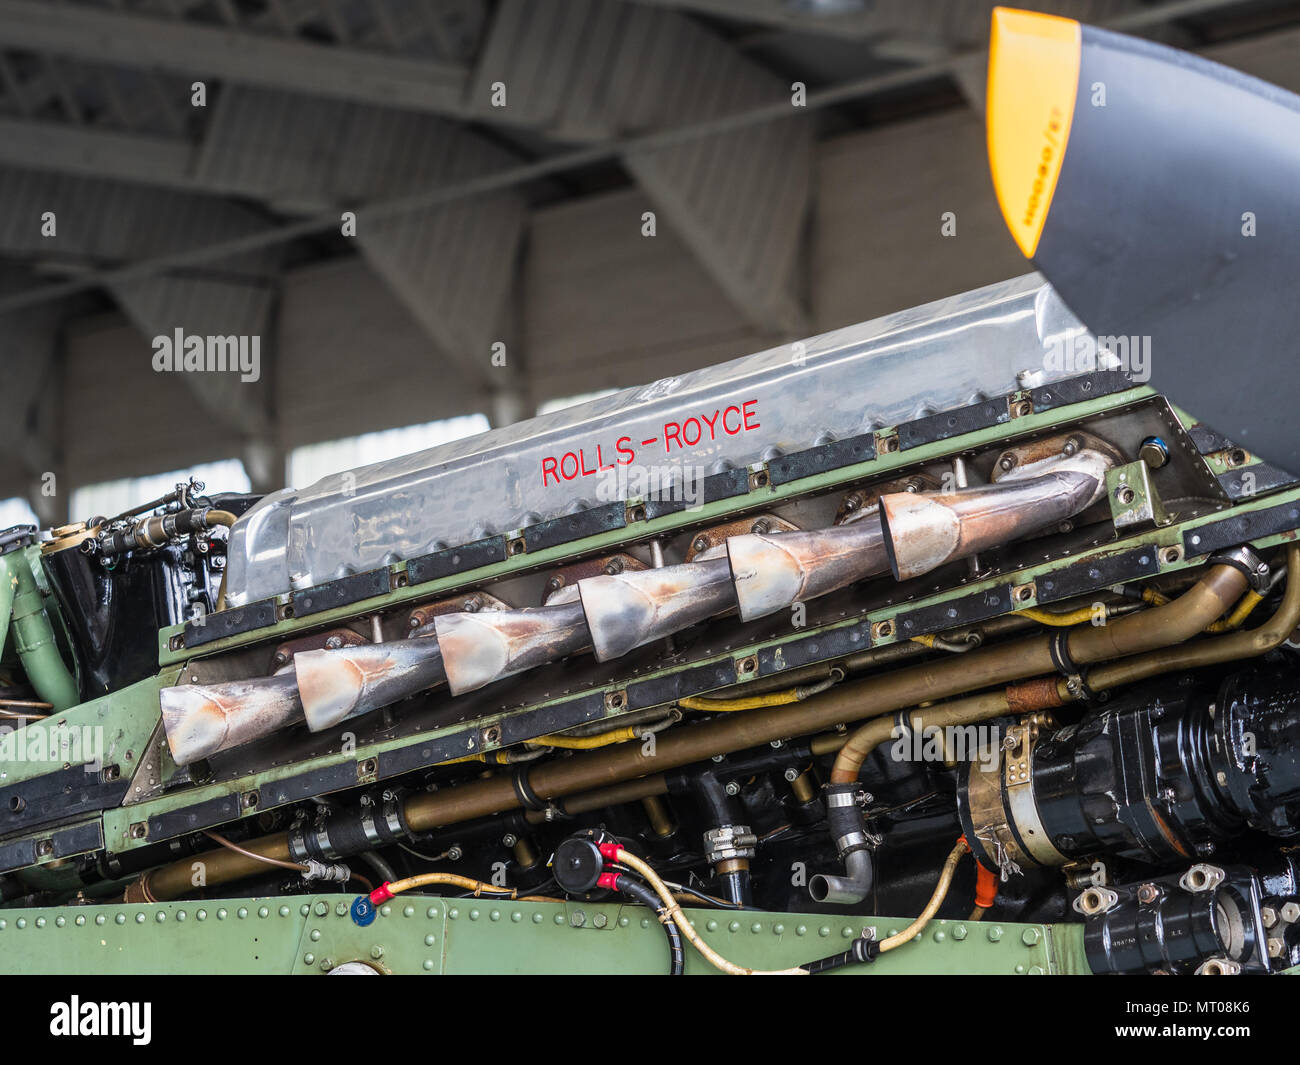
pixel 943 355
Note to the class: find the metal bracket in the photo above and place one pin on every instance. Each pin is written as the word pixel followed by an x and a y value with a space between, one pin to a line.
pixel 1134 501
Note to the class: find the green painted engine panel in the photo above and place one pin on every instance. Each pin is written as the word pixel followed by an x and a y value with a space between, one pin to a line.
pixel 312 934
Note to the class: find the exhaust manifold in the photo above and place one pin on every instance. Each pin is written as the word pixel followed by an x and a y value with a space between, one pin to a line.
pixel 1034 488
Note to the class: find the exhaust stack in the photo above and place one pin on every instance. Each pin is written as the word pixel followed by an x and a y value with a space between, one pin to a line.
pixel 335 685
pixel 1034 489
pixel 1035 486
pixel 202 719
pixel 775 571
pixel 480 648
pixel 630 609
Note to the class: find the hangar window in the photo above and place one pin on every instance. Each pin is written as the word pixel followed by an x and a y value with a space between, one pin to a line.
pixel 309 463
pixel 110 498
pixel 16 512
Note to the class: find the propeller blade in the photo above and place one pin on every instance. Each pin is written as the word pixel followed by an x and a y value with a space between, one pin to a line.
pixel 1159 194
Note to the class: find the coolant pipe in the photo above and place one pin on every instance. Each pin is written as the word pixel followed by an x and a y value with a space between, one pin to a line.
pixel 33 634
pixel 845 818
pixel 849 830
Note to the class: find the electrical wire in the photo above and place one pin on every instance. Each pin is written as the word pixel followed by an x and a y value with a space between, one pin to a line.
pixel 476 888
pixel 757 702
pixel 936 900
pixel 693 893
pixel 639 892
pixel 674 911
pixel 217 838
pixel 296 866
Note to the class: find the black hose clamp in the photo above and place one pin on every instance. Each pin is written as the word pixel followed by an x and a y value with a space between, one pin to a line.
pixel 1244 559
pixel 844 818
pixel 1058 647
pixel 528 798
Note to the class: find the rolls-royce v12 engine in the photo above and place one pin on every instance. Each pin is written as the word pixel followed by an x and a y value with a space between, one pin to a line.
pixel 915 645
pixel 786 636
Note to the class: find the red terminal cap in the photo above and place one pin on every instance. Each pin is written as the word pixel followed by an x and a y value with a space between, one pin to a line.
pixel 986 886
pixel 610 851
pixel 608 881
pixel 380 894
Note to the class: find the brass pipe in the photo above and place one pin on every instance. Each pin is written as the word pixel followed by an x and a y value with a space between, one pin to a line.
pixel 227 519
pixel 1249 643
pixel 803 787
pixel 615 795
pixel 213 867
pixel 525 855
pixel 656 812
pixel 959 712
pixel 1215 593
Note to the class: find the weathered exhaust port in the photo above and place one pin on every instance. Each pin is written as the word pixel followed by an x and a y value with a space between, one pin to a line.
pixel 628 610
pixel 478 649
pixel 202 719
pixel 338 684
pixel 1033 490
pixel 773 571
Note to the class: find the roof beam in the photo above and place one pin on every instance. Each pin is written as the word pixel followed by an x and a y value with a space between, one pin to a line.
pixel 193 50
pixel 585 70
pixel 451 265
pixel 87 152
